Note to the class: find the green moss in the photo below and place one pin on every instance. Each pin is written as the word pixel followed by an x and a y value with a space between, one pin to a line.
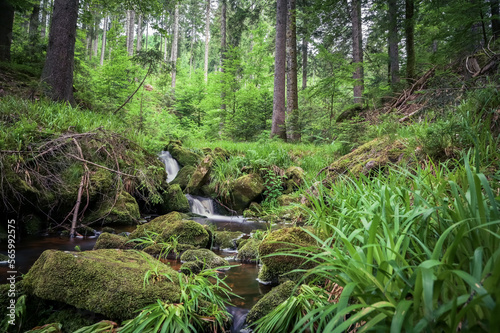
pixel 183 155
pixel 226 239
pixel 111 241
pixel 249 251
pixel 246 189
pixel 294 178
pixel 101 182
pixel 286 200
pixel 183 177
pixel 70 319
pixel 284 240
pixel 201 176
pixel 174 200
pixel 32 224
pixel 203 259
pixel 4 257
pixel 265 275
pixel 124 211
pixel 156 225
pixel 270 301
pixel 109 282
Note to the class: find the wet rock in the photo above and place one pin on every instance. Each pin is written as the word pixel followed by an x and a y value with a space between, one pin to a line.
pixel 201 176
pixel 183 177
pixel 182 155
pixel 270 301
pixel 109 282
pixel 226 239
pixel 197 260
pixel 245 190
pixel 112 241
pixel 249 251
pixel 174 200
pixel 281 240
pixel 294 178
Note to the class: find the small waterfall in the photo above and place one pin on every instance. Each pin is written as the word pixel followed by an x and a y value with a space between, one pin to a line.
pixel 239 316
pixel 171 165
pixel 201 205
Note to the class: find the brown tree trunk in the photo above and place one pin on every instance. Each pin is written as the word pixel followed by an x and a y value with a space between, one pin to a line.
pixel 292 126
pixel 43 23
pixel 34 24
pixel 207 39
pixel 223 47
pixel 278 124
pixel 393 42
pixel 305 46
pixel 57 72
pixel 130 32
pixel 495 18
pixel 6 23
pixel 357 50
pixel 410 40
pixel 173 57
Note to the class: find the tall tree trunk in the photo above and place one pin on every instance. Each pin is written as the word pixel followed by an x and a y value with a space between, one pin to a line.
pixel 147 34
pixel 305 46
pixel 193 39
pixel 223 47
pixel 174 45
pixel 393 41
pixel 293 133
pixel 130 32
pixel 278 124
pixel 495 19
pixel 357 50
pixel 33 29
pixel 43 23
pixel 6 23
pixel 103 44
pixel 57 73
pixel 410 40
pixel 95 36
pixel 139 33
pixel 207 39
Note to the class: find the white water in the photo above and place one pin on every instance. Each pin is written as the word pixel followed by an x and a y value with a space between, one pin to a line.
pixel 171 165
pixel 206 207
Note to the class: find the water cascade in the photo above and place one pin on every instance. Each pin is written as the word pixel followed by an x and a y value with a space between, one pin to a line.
pixel 171 165
pixel 201 206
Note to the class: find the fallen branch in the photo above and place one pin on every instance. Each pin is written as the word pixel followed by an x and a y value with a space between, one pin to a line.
pixel 100 166
pixel 79 195
pixel 140 85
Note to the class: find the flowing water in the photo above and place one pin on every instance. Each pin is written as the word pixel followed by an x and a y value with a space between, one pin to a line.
pixel 171 165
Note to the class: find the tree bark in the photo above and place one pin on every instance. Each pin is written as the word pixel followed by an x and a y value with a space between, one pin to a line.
pixel 57 72
pixel 357 50
pixel 393 41
pixel 293 133
pixel 305 46
pixel 278 124
pixel 6 23
pixel 33 29
pixel 103 44
pixel 223 47
pixel 207 39
pixel 139 33
pixel 43 23
pixel 130 32
pixel 173 57
pixel 495 19
pixel 410 40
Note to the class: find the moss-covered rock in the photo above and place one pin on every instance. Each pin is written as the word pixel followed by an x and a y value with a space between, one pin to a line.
pixel 124 211
pixel 183 155
pixel 183 177
pixel 249 251
pixel 294 178
pixel 112 241
pixel 109 282
pixel 270 301
pixel 174 200
pixel 201 176
pixel 266 277
pixel 286 200
pixel 226 239
pixel 282 240
pixel 173 225
pixel 246 189
pixel 164 249
pixel 200 259
pixel 101 182
pixel 254 210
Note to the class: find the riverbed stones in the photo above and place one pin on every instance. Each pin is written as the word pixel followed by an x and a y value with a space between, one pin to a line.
pixel 249 251
pixel 183 176
pixel 201 176
pixel 197 260
pixel 109 282
pixel 183 155
pixel 226 239
pixel 271 300
pixel 174 200
pixel 246 189
pixel 112 241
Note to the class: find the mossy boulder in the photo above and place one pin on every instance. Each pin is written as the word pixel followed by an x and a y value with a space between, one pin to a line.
pixel 124 211
pixel 183 155
pixel 174 200
pixel 271 300
pixel 164 249
pixel 350 112
pixel 246 189
pixel 197 260
pixel 226 239
pixel 183 177
pixel 173 225
pixel 109 282
pixel 201 176
pixel 101 182
pixel 287 199
pixel 249 251
pixel 112 241
pixel 254 210
pixel 294 178
pixel 281 240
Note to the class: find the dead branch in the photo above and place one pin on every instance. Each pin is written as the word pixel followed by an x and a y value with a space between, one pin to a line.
pixel 80 190
pixel 419 84
pixel 100 166
pixel 140 85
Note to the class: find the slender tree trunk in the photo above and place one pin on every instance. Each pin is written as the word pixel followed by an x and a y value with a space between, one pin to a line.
pixel 293 133
pixel 6 24
pixel 193 40
pixel 174 45
pixel 393 42
pixel 57 73
pixel 139 33
pixel 207 39
pixel 95 37
pixel 223 47
pixel 410 40
pixel 278 124
pixel 147 34
pixel 130 32
pixel 104 34
pixel 33 29
pixel 43 23
pixel 495 19
pixel 357 50
pixel 305 46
